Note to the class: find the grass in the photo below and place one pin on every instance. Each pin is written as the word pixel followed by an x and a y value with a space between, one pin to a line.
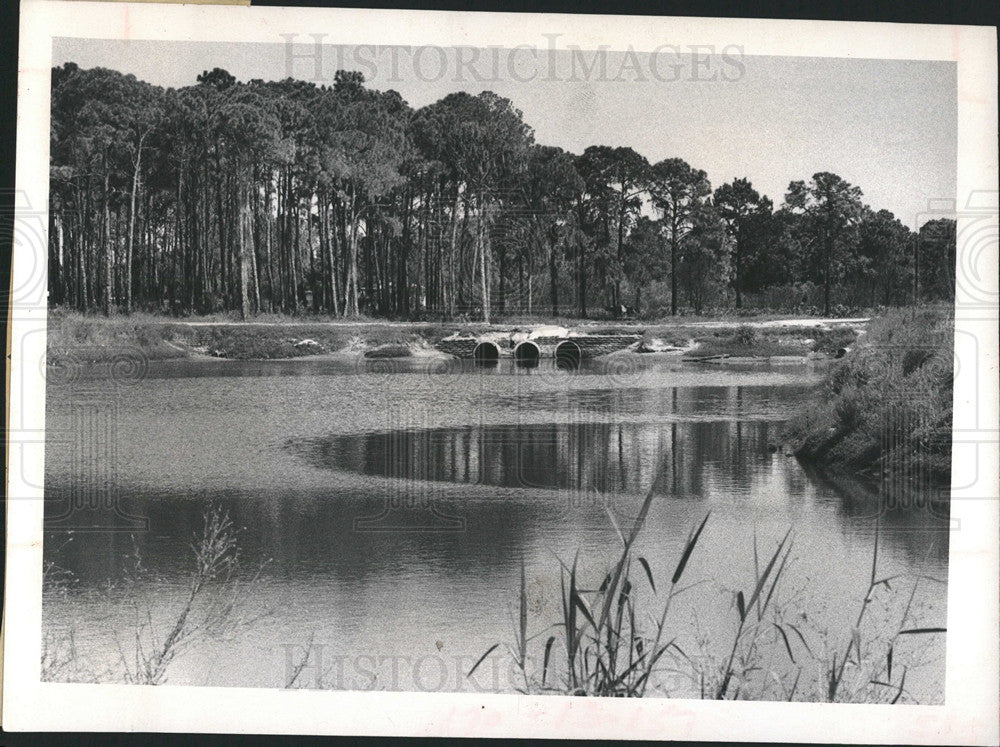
pixel 392 350
pixel 832 341
pixel 93 339
pixel 605 645
pixel 609 641
pixel 75 337
pixel 747 342
pixel 259 341
pixel 222 342
pixel 885 411
pixel 609 647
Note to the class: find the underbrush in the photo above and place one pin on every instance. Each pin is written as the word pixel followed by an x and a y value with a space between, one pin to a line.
pixel 242 344
pixel 746 341
pixel 95 338
pixel 886 409
pixel 91 338
pixel 389 351
pixel 832 341
pixel 77 338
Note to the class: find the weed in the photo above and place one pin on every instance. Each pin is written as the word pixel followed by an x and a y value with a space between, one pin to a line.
pixel 209 609
pixel 832 341
pixel 397 350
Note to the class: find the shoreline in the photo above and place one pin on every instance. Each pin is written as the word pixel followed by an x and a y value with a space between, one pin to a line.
pixel 885 412
pixel 96 338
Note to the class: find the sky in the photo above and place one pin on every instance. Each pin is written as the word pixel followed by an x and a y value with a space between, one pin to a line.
pixel 887 126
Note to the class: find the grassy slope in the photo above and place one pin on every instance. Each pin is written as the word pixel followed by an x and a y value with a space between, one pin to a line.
pixel 744 341
pixel 886 409
pixel 97 338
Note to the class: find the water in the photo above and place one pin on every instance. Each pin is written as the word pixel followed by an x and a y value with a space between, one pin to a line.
pixel 392 503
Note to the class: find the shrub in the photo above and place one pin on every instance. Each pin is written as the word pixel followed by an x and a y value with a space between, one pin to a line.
pixel 745 336
pixel 848 408
pixel 887 407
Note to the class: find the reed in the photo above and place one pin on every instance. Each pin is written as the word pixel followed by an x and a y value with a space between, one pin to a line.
pixel 611 647
pixel 608 649
pixel 881 675
pixel 751 613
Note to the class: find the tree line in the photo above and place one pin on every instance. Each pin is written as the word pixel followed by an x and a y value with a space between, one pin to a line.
pixel 285 196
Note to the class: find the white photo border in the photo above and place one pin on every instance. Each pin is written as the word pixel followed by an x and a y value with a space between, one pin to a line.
pixel 970 713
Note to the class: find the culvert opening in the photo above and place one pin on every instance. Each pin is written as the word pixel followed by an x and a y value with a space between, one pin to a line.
pixel 486 354
pixel 568 355
pixel 526 355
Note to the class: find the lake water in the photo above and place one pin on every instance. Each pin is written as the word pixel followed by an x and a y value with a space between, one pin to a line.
pixel 392 503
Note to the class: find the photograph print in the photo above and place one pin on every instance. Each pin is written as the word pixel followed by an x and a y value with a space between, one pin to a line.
pixel 534 370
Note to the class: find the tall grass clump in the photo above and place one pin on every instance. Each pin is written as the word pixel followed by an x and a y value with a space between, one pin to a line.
pixel 864 672
pixel 608 646
pixel 745 336
pixel 611 642
pixel 833 341
pixel 91 338
pixel 747 341
pixel 885 411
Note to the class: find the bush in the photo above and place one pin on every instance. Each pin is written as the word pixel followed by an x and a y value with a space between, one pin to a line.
pixel 745 336
pixel 241 345
pixel 886 409
pixel 848 408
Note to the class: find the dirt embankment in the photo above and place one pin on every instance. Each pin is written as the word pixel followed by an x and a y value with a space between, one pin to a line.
pixel 99 338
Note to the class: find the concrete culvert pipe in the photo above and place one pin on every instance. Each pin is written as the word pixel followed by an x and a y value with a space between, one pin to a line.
pixel 486 353
pixel 526 354
pixel 568 355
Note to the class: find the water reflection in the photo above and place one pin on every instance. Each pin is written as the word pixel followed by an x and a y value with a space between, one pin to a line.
pixel 676 403
pixel 584 456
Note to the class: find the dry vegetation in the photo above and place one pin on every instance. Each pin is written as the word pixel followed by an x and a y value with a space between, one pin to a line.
pixel 214 606
pixel 886 409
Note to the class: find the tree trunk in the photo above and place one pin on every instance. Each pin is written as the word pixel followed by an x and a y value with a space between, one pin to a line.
pixel 454 252
pixel 673 272
pixel 296 255
pixel 738 261
pixel 131 228
pixel 109 251
pixel 402 281
pixel 351 291
pixel 331 237
pixel 826 275
pixel 243 231
pixel 482 260
pixel 553 278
